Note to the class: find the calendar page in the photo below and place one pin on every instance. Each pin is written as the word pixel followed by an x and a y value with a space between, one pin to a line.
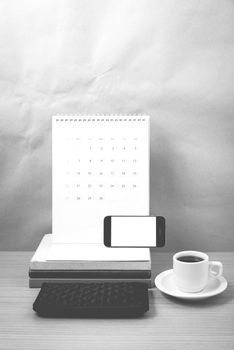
pixel 100 168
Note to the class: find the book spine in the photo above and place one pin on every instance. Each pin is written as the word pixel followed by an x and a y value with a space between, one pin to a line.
pixel 37 282
pixel 90 265
pixel 90 273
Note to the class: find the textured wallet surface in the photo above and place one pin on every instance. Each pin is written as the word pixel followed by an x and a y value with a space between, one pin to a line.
pixel 102 299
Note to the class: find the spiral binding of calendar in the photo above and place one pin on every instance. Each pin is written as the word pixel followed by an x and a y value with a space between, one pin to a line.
pixel 100 118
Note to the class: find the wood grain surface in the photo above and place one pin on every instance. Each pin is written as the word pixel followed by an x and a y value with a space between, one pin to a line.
pixel 170 323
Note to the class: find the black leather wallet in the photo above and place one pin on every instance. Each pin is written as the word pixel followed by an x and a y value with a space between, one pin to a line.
pixel 101 299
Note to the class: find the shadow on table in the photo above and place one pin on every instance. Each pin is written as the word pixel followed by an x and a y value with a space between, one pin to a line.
pixel 152 302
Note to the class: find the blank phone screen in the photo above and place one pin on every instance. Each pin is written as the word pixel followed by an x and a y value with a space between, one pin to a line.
pixel 133 231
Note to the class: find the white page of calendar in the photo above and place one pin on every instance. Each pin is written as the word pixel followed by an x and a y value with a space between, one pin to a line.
pixel 100 168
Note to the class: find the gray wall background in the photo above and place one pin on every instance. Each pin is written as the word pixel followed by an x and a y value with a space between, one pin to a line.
pixel 172 60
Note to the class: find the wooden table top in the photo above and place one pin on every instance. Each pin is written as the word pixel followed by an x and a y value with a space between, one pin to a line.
pixel 169 324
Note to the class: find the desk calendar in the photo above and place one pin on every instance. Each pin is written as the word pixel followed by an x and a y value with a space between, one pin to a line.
pixel 100 168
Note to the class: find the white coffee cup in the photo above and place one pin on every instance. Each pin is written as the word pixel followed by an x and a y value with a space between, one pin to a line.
pixel 191 275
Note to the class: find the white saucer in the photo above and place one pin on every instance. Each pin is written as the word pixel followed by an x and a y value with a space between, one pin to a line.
pixel 165 283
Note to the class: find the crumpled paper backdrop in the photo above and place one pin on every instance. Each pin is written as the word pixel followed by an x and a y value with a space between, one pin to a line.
pixel 172 60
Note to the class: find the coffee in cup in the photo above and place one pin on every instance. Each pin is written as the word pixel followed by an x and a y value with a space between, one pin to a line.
pixel 192 270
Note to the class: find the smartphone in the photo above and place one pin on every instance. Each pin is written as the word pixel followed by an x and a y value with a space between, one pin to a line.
pixel 134 231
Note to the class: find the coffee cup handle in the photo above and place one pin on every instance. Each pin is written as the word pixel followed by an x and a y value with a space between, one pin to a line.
pixel 215 268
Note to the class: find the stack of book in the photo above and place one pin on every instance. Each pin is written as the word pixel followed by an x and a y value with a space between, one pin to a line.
pixel 54 262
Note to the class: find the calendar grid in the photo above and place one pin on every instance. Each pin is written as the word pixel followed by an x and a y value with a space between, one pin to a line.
pixel 100 167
